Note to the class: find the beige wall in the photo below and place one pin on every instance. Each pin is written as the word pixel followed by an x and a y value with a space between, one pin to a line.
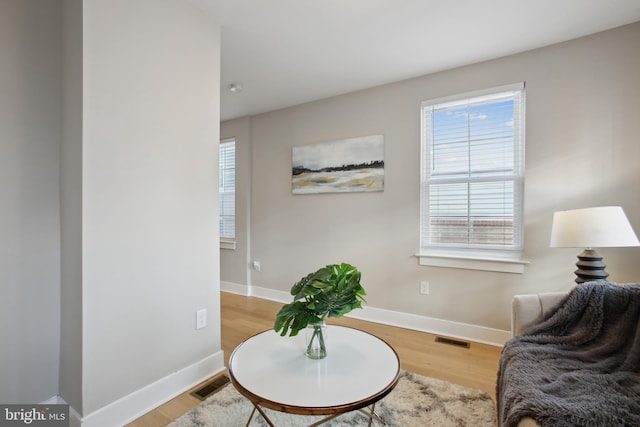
pixel 583 105
pixel 233 263
pixel 71 208
pixel 149 222
pixel 138 221
pixel 30 122
pixel 108 227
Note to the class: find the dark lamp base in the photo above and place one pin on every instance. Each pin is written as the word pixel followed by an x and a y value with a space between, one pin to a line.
pixel 590 267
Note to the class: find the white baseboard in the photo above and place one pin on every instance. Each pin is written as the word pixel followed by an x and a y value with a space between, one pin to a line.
pixel 235 288
pixel 138 403
pixel 55 400
pixel 431 325
pixel 74 417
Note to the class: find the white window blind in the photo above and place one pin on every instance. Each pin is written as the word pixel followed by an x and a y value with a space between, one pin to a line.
pixel 472 174
pixel 227 189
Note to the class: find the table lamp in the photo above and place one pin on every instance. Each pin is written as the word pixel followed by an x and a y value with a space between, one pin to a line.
pixel 600 227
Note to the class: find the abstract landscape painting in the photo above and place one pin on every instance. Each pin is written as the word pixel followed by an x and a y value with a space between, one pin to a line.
pixel 343 166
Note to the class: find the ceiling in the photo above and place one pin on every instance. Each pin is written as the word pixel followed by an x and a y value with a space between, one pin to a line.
pixel 288 52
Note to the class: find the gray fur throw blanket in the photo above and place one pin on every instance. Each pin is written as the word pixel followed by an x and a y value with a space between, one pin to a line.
pixel 578 366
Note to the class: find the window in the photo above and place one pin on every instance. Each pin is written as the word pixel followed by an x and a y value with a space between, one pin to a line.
pixel 227 193
pixel 472 180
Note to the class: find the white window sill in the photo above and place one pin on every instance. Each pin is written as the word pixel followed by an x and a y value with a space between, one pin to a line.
pixel 228 244
pixel 502 265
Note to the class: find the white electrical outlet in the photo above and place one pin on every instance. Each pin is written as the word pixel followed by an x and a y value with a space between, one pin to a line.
pixel 201 318
pixel 424 287
pixel 256 265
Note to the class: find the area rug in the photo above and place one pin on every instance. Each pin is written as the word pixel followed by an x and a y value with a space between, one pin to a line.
pixel 416 401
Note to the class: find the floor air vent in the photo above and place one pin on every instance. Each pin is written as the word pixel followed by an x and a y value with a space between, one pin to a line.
pixel 211 387
pixel 451 341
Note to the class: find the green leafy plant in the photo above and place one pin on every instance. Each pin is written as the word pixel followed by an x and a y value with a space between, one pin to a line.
pixel 331 291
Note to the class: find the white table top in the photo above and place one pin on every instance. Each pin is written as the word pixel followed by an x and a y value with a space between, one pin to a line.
pixel 273 371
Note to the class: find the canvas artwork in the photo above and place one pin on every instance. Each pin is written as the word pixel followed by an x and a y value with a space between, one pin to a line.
pixel 343 166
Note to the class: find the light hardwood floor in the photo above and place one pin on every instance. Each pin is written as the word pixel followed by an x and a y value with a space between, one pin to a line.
pixel 243 317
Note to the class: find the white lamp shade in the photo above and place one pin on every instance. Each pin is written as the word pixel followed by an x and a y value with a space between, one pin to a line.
pixel 601 227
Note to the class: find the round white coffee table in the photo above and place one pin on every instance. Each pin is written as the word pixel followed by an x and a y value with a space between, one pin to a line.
pixel 273 372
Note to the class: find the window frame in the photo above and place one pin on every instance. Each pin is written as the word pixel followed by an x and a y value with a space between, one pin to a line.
pixel 475 256
pixel 227 242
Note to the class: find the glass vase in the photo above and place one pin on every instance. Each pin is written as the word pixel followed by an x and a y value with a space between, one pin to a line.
pixel 316 340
